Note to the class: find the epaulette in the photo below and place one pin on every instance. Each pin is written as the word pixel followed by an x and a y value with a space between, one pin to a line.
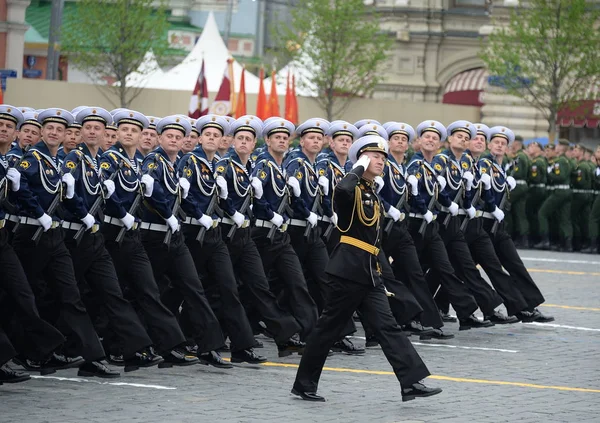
pixel 36 155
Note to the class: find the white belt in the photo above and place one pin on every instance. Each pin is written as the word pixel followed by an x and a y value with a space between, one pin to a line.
pixel 420 216
pixel 521 181
pixel 154 227
pixel 488 215
pixel 2 223
pixel 561 187
pixel 298 222
pixel 77 226
pixel 325 219
pixel 231 222
pixel 583 191
pixel 463 212
pixel 34 222
pixel 11 217
pixel 196 222
pixel 444 209
pixel 113 221
pixel 538 185
pixel 266 224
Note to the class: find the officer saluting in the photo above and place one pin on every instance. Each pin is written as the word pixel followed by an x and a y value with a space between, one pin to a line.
pixel 355 278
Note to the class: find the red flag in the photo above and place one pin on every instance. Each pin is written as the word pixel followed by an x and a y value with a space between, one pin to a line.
pixel 293 103
pixel 199 100
pixel 288 97
pixel 273 98
pixel 222 104
pixel 261 102
pixel 1 96
pixel 240 109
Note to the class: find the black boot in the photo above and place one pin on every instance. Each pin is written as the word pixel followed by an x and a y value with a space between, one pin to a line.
pixel 568 248
pixel 544 244
pixel 593 247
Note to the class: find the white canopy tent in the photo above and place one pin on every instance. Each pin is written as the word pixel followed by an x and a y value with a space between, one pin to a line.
pixel 148 68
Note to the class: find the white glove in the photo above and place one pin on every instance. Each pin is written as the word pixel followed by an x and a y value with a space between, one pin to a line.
pixel 471 212
pixel 88 221
pixel 511 182
pixel 468 177
pixel 363 161
pixel 428 216
pixel 277 219
pixel 110 188
pixel 70 183
pixel 324 182
pixel 295 186
pixel 238 218
pixel 148 183
pixel 206 221
pixel 14 177
pixel 222 184
pixel 498 214
pixel 312 219
pixel 442 181
pixel 414 184
pixel 453 208
pixel 45 221
pixel 334 218
pixel 128 221
pixel 486 180
pixel 379 182
pixel 258 188
pixel 598 171
pixel 394 213
pixel 549 169
pixel 184 184
pixel 173 223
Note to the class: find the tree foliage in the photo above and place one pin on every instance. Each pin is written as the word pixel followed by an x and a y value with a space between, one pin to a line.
pixel 548 54
pixel 108 39
pixel 341 47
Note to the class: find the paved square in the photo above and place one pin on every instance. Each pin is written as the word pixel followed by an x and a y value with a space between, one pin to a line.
pixel 523 372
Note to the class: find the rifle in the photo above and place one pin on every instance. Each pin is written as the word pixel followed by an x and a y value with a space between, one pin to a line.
pixel 176 206
pixel 459 193
pixel 401 201
pixel 501 206
pixel 429 207
pixel 95 207
pixel 282 206
pixel 209 211
pixel 132 210
pixel 316 207
pixel 465 222
pixel 243 209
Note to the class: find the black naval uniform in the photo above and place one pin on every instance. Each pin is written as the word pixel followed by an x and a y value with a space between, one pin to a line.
pixel 355 274
pixel 278 253
pixel 211 257
pixel 176 262
pixel 129 257
pixel 244 255
pixel 49 265
pixel 93 264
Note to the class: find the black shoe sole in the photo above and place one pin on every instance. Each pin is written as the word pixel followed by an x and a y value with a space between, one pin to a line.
pixel 421 395
pixel 133 368
pixel 85 373
pixel 286 353
pixel 218 366
pixel 168 364
pixel 16 380
pixel 348 352
pixel 299 394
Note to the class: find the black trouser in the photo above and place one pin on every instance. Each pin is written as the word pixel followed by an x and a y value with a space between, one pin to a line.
pixel 33 337
pixel 7 351
pixel 94 267
pixel 136 277
pixel 248 267
pixel 334 237
pixel 281 257
pixel 483 253
pixel 401 247
pixel 432 254
pixel 213 264
pixel 510 260
pixel 177 264
pixel 373 305
pixel 49 270
pixel 464 266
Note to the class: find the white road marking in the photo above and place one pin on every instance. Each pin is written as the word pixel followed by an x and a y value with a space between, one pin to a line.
pixel 552 325
pixel 81 380
pixel 551 260
pixel 427 344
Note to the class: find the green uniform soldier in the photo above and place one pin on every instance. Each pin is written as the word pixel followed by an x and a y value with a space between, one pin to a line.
pixel 558 202
pixel 536 181
pixel 581 203
pixel 518 197
pixel 594 222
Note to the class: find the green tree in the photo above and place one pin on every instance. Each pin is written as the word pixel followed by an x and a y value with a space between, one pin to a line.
pixel 108 39
pixel 547 53
pixel 341 47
